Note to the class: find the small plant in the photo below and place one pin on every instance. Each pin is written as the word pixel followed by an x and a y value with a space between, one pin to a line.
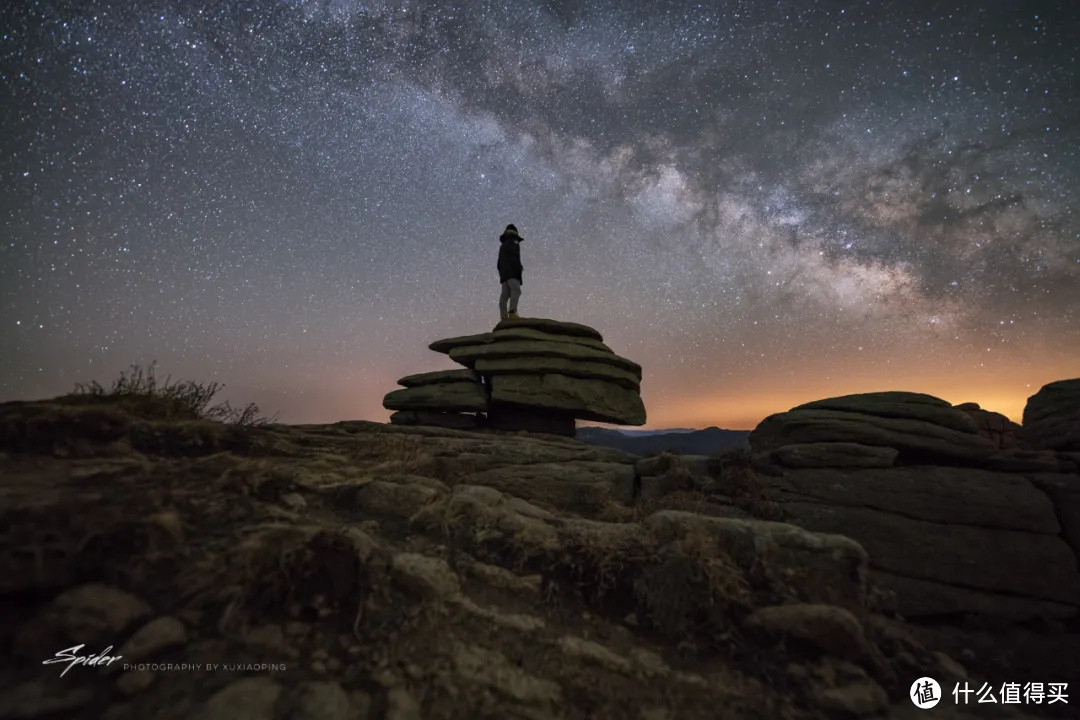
pixel 734 476
pixel 139 391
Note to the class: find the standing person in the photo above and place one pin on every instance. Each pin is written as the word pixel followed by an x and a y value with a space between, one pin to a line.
pixel 509 272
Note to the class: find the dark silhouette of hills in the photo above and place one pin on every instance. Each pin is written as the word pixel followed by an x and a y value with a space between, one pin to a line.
pixel 709 441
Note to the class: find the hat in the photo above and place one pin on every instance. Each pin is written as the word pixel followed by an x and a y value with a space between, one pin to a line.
pixel 511 227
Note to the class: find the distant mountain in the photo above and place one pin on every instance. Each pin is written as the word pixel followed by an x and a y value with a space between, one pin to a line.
pixel 652 442
pixel 643 433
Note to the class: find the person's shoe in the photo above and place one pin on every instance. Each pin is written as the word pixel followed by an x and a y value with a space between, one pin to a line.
pixel 512 315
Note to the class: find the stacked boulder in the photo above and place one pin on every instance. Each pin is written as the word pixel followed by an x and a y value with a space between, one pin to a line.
pixel 531 374
pixel 953 518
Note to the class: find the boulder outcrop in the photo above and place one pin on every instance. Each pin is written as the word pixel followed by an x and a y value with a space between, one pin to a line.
pixel 954 515
pixel 531 374
pixel 993 426
pixel 1052 417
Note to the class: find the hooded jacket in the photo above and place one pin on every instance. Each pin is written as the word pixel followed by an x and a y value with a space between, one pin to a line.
pixel 509 256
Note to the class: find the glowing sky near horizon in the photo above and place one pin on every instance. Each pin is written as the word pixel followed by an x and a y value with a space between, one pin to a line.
pixel 761 203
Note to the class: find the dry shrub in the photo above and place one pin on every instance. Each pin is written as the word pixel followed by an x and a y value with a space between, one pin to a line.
pixel 687 590
pixel 733 475
pixel 277 567
pixel 480 523
pixel 600 565
pixel 692 590
pixel 138 392
pixel 264 479
pixel 616 512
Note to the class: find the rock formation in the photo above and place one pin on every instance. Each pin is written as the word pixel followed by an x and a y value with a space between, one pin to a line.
pixel 369 570
pixel 529 374
pixel 1052 417
pixel 955 517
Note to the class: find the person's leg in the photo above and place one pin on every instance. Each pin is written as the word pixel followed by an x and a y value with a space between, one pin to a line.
pixel 515 295
pixel 502 300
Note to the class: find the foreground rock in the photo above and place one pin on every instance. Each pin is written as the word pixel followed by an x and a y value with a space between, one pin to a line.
pixel 530 374
pixel 427 572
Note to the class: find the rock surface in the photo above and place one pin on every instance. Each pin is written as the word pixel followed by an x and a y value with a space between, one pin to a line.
pixel 454 420
pixel 530 374
pixel 1052 417
pixel 993 426
pixel 954 516
pixel 439 397
pixel 587 399
pixel 438 377
pixel 442 573
pixel 929 433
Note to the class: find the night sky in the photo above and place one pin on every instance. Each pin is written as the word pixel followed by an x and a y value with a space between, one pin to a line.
pixel 763 203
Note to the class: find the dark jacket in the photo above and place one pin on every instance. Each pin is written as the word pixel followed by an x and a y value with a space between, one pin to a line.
pixel 509 257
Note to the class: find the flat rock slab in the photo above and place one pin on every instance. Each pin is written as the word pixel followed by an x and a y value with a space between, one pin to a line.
pixel 918 441
pixel 447 344
pixel 834 455
pixel 951 495
pixel 819 567
pixel 597 400
pixel 551 326
pixel 1025 564
pixel 1052 417
pixel 439 376
pixel 443 397
pixel 526 333
pixel 896 404
pixel 467 355
pixel 538 365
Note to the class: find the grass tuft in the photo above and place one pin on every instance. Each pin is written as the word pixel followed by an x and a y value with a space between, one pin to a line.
pixel 139 392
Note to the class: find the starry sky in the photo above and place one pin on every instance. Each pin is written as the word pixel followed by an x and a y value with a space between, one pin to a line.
pixel 763 203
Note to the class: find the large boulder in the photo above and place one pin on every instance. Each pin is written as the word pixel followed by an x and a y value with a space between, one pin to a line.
pixel 535 374
pixel 1052 417
pixel 955 518
pixel 597 400
pixel 440 397
pixel 920 427
pixel 898 404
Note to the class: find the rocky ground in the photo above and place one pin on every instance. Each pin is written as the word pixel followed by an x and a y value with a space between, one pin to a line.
pixel 361 570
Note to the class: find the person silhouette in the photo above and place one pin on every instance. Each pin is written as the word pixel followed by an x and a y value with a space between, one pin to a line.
pixel 509 272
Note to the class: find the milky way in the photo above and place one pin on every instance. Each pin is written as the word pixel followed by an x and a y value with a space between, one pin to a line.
pixel 761 203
